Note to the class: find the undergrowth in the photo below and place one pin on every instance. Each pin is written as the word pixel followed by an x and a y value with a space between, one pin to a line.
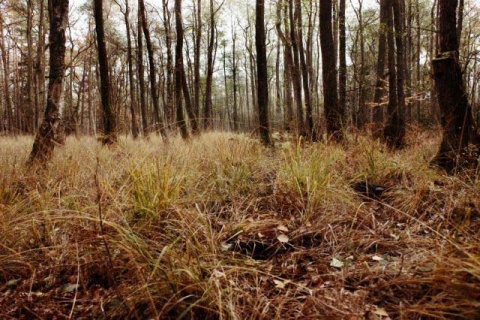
pixel 220 227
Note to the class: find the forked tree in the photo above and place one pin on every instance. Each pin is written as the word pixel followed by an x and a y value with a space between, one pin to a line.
pixel 47 133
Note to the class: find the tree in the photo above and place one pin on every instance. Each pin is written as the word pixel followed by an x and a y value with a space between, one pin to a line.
pixel 141 72
pixel 179 71
pixel 109 119
pixel 133 100
pixel 334 114
pixel 207 110
pixel 342 77
pixel 454 107
pixel 45 140
pixel 262 72
pixel 159 124
pixel 380 68
pixel 395 128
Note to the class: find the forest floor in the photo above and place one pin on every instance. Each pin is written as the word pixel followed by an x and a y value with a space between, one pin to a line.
pixel 220 227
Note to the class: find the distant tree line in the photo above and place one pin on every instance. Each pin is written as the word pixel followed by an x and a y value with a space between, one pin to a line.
pixel 313 68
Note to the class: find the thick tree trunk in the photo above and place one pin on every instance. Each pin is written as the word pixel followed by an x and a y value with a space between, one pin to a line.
pixel 455 109
pixel 334 114
pixel 109 119
pixel 47 134
pixel 262 72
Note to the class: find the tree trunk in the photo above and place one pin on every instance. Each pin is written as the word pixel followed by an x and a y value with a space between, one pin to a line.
pixel 169 107
pixel 262 72
pixel 304 71
pixel 235 88
pixel 31 121
pixel 392 110
pixel 296 74
pixel 6 71
pixel 454 107
pixel 179 71
pixel 342 77
pixel 159 124
pixel 133 98
pixel 380 68
pixel 47 134
pixel 334 114
pixel 207 111
pixel 141 75
pixel 109 120
pixel 196 59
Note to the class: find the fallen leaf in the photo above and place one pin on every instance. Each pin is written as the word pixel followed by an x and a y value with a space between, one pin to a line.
pixel 280 284
pixel 218 274
pixel 226 246
pixel 283 238
pixel 336 263
pixel 282 228
pixel 380 312
pixel 377 258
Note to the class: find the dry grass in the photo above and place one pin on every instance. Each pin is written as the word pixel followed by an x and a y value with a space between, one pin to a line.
pixel 222 228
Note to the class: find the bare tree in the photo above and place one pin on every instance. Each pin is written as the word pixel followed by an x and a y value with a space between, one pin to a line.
pixel 334 114
pixel 262 72
pixel 109 118
pixel 179 71
pixel 47 134
pixel 153 79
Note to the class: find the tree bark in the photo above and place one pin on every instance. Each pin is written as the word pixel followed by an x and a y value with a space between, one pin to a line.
pixel 47 134
pixel 334 114
pixel 296 74
pixel 133 98
pixel 342 77
pixel 196 59
pixel 262 72
pixel 109 119
pixel 455 109
pixel 395 129
pixel 207 111
pixel 141 75
pixel 380 68
pixel 179 71
pixel 169 107
pixel 159 123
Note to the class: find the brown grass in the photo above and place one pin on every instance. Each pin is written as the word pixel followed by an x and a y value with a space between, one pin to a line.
pixel 222 228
